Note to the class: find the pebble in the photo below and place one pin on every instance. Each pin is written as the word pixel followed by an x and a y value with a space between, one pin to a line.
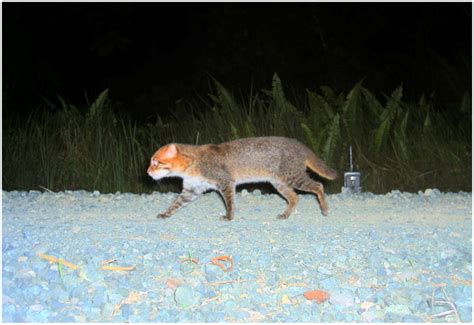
pixel 185 296
pixel 367 305
pixel 344 298
pixel 25 274
pixel 364 293
pixel 36 307
pixel 465 313
pixel 376 267
pixel 107 309
pixel 372 315
pixel 214 273
pixel 163 316
pixel 216 317
pixel 230 305
pixel 432 192
pixel 329 284
pixel 126 310
pixel 463 296
pixel 324 270
pixel 411 319
pixel 22 259
pixel 398 309
pixel 57 304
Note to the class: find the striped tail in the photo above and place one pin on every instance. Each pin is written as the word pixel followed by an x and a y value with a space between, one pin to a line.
pixel 318 166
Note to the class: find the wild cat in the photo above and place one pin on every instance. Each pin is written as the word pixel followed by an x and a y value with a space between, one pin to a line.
pixel 277 160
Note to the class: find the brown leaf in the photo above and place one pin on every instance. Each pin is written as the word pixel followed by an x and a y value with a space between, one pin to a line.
pixel 172 283
pixel 132 298
pixel 216 260
pixel 367 305
pixel 318 295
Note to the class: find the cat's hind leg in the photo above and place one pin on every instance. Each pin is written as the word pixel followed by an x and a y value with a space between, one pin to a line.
pixel 307 184
pixel 290 196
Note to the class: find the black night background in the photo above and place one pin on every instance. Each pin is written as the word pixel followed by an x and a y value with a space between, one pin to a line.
pixel 103 104
pixel 391 79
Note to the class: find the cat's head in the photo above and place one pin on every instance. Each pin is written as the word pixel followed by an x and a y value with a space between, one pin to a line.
pixel 167 161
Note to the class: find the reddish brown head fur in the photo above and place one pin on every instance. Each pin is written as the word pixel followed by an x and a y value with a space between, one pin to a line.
pixel 168 158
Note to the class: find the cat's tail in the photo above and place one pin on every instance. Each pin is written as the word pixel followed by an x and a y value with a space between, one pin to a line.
pixel 318 166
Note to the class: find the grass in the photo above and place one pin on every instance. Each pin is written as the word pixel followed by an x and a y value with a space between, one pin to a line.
pixel 396 145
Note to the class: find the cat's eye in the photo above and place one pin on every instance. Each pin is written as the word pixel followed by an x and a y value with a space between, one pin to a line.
pixel 158 164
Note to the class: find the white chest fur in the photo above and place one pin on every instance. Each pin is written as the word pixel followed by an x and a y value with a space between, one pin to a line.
pixel 198 184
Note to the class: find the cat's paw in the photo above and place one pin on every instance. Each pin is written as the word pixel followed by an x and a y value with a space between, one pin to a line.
pixel 282 216
pixel 163 216
pixel 227 218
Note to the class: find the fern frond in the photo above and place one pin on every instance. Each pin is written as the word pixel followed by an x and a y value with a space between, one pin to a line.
pixel 332 139
pixel 352 100
pixel 279 97
pixel 225 98
pixel 100 102
pixel 372 102
pixel 382 133
pixel 310 137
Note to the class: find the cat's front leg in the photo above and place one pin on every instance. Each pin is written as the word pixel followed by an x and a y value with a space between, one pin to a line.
pixel 186 196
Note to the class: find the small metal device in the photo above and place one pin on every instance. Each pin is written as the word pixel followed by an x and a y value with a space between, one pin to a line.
pixel 351 179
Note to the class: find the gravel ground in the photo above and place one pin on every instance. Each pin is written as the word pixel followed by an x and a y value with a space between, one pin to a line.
pixel 381 258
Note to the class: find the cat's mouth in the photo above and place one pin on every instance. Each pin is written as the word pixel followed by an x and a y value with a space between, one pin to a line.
pixel 156 175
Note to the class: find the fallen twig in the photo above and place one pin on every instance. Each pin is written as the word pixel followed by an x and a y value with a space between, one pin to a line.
pixel 103 266
pixel 117 268
pixel 443 314
pixel 231 281
pixel 53 259
pixel 110 260
pixel 452 305
pixel 189 259
pixel 446 301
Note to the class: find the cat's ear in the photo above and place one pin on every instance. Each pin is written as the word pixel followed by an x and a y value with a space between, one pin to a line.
pixel 170 152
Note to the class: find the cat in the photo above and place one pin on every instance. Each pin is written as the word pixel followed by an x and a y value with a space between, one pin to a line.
pixel 278 160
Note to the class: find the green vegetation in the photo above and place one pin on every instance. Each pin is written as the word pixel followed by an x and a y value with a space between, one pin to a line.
pixel 397 145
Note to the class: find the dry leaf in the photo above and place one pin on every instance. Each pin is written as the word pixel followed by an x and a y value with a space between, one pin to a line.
pixel 318 295
pixel 216 260
pixel 172 283
pixel 367 305
pixel 285 300
pixel 132 298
